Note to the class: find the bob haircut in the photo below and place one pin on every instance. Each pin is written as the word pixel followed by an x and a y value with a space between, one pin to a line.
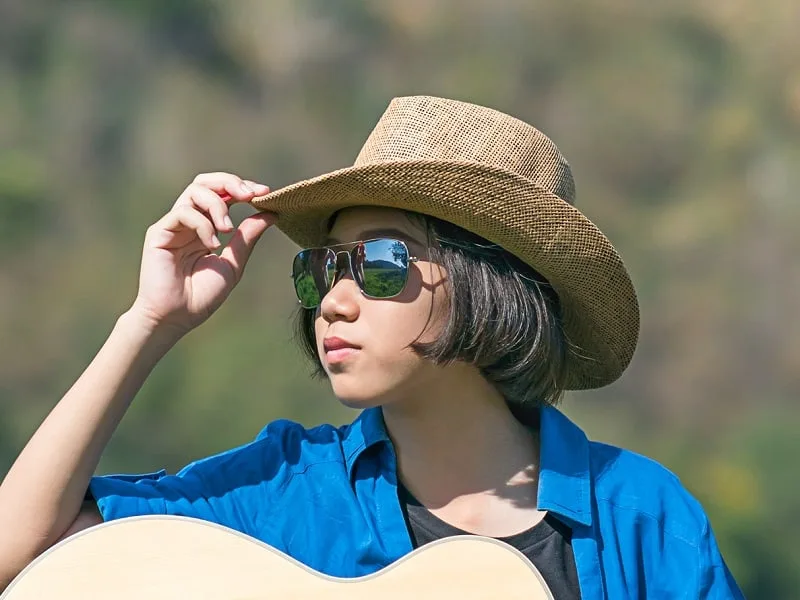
pixel 504 318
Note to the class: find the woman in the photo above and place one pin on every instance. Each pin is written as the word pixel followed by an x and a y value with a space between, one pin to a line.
pixel 449 289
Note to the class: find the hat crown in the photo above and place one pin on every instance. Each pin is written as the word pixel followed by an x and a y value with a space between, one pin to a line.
pixel 438 129
pixel 503 180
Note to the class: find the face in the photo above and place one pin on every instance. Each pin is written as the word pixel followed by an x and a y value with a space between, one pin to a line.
pixel 383 368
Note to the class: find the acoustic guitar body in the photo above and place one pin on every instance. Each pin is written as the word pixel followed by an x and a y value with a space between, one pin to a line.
pixel 160 558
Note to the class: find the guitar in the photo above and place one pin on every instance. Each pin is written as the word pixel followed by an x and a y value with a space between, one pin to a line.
pixel 177 558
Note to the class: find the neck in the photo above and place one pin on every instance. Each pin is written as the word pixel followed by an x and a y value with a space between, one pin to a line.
pixel 457 438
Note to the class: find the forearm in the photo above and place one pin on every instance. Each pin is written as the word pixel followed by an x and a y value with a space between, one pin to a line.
pixel 41 495
pixel 180 286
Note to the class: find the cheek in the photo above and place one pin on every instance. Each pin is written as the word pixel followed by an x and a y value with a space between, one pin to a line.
pixel 320 327
pixel 394 329
pixel 433 302
pixel 418 314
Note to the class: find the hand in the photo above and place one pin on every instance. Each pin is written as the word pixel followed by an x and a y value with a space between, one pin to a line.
pixel 182 280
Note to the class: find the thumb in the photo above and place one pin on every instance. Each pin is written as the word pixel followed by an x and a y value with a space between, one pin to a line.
pixel 244 239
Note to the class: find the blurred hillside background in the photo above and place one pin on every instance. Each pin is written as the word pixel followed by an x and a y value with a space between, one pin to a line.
pixel 681 122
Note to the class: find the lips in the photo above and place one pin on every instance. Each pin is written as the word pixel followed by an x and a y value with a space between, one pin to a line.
pixel 335 343
pixel 339 351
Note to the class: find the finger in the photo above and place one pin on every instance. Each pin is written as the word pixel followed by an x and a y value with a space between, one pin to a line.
pixel 241 244
pixel 210 202
pixel 259 188
pixel 186 218
pixel 230 184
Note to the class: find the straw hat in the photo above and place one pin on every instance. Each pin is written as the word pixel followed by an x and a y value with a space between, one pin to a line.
pixel 502 179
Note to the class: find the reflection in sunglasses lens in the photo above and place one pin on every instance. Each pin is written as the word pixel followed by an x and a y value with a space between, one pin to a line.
pixel 304 284
pixel 385 268
pixel 381 265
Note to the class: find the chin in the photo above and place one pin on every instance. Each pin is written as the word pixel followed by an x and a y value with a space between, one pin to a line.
pixel 358 403
pixel 353 394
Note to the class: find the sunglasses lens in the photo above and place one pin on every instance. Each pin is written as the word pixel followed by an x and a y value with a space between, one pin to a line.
pixel 383 267
pixel 312 272
pixel 381 270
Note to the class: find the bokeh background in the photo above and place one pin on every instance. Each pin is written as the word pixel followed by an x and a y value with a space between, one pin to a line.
pixel 681 122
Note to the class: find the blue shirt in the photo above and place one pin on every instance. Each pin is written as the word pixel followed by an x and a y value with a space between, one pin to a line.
pixel 328 497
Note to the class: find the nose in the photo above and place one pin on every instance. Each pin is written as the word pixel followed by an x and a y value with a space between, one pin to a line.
pixel 341 301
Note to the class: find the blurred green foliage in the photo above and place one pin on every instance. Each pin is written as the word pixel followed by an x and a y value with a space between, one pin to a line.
pixel 680 120
pixel 384 283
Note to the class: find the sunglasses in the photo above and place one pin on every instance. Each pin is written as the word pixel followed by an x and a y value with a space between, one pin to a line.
pixel 378 266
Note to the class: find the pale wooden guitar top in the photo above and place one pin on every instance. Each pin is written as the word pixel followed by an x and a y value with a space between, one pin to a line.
pixel 180 558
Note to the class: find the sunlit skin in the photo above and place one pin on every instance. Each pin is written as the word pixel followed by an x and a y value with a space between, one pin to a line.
pixel 460 450
pixel 385 369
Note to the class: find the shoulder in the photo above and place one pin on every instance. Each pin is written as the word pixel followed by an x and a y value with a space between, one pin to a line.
pixel 281 449
pixel 292 432
pixel 653 527
pixel 627 482
pixel 293 442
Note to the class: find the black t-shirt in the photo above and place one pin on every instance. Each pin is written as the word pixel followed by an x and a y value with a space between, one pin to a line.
pixel 548 544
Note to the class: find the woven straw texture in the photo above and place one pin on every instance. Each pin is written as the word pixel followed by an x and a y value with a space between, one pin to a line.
pixel 498 177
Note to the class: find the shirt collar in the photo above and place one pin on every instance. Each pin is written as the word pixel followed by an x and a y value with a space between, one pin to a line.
pixel 564 476
pixel 368 429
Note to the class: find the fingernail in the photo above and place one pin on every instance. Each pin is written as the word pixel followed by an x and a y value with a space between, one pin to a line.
pixel 215 241
pixel 261 186
pixel 247 189
pixel 227 221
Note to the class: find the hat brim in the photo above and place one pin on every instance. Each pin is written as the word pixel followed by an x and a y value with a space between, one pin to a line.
pixel 599 307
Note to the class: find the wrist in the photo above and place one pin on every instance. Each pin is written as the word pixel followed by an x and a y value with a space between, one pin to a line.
pixel 139 325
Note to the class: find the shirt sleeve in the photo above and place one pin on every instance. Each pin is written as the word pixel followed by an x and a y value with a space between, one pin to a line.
pixel 157 493
pixel 715 581
pixel 233 489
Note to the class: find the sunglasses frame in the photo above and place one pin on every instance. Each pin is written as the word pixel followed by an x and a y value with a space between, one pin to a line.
pixel 353 272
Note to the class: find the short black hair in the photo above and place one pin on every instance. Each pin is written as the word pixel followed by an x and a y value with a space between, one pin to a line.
pixel 504 318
